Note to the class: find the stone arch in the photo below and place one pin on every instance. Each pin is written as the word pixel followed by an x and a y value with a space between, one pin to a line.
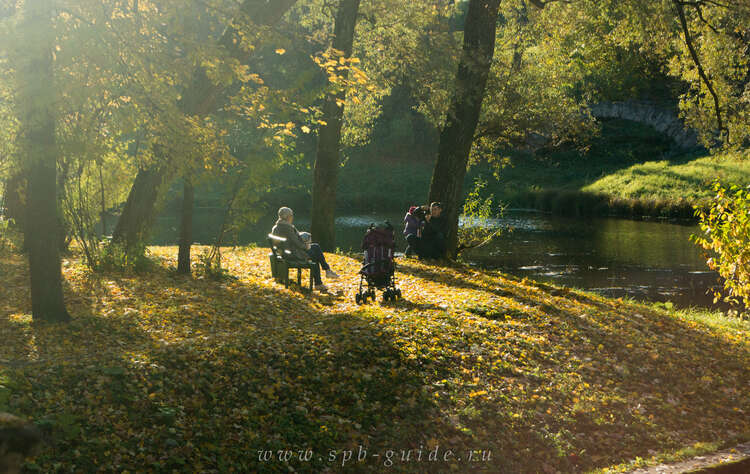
pixel 661 119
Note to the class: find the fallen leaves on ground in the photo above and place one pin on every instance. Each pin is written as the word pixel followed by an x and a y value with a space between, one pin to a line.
pixel 159 372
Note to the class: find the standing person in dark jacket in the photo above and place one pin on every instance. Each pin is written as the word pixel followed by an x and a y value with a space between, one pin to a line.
pixel 302 249
pixel 434 232
pixel 430 243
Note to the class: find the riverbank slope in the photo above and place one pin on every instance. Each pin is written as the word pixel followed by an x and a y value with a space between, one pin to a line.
pixel 160 372
pixel 655 188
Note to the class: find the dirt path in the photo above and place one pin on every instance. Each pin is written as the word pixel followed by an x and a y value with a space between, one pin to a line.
pixel 729 460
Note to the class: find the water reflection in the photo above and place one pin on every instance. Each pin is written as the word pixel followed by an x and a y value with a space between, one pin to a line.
pixel 646 260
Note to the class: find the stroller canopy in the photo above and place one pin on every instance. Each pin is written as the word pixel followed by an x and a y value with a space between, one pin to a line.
pixel 378 237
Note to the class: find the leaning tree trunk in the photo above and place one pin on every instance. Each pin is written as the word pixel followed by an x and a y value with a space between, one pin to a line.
pixel 37 113
pixel 327 160
pixel 457 135
pixel 200 99
pixel 186 228
pixel 140 207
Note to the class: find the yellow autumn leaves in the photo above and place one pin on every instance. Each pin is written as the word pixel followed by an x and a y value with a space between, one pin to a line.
pixel 158 372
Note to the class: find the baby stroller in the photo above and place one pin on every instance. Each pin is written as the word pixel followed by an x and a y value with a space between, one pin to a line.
pixel 378 267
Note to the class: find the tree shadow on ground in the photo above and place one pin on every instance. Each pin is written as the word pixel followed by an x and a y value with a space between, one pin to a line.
pixel 618 378
pixel 210 373
pixel 508 288
pixel 205 374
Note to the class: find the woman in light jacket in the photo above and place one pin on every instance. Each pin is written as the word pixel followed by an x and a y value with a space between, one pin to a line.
pixel 302 249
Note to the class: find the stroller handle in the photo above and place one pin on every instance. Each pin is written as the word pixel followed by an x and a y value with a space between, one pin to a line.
pixel 374 263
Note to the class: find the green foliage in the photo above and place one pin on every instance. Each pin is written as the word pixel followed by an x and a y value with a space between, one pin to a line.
pixel 9 236
pixel 726 236
pixel 530 88
pixel 611 60
pixel 6 386
pixel 393 42
pixel 112 256
pixel 93 187
pixel 121 69
pixel 722 39
pixel 623 49
pixel 209 265
pixel 688 177
pixel 626 170
pixel 8 120
pixel 477 228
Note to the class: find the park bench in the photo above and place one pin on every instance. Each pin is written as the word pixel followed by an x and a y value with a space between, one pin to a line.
pixel 282 260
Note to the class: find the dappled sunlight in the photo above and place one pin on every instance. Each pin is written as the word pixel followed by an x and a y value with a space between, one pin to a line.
pixel 147 149
pixel 475 360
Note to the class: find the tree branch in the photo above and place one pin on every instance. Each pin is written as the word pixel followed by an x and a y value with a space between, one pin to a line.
pixel 540 4
pixel 475 245
pixel 697 6
pixel 700 3
pixel 701 72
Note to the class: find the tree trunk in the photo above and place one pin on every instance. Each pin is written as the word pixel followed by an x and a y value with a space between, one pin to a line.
pixel 327 160
pixel 186 228
pixel 200 99
pixel 103 202
pixel 457 135
pixel 37 112
pixel 140 207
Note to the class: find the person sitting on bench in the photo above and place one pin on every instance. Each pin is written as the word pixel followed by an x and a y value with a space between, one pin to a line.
pixel 302 249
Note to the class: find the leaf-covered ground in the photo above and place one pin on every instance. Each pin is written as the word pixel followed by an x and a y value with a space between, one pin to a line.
pixel 159 372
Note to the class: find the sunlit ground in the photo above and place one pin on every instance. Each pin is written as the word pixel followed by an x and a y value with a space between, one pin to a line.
pixel 160 372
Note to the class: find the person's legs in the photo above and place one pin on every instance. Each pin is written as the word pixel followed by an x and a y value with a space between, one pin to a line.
pixel 433 248
pixel 413 242
pixel 438 246
pixel 316 255
pixel 316 274
pixel 427 248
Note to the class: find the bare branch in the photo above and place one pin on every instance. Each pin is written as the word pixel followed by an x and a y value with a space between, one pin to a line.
pixel 701 3
pixel 701 72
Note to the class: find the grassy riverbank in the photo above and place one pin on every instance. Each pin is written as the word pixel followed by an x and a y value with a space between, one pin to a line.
pixel 659 188
pixel 159 372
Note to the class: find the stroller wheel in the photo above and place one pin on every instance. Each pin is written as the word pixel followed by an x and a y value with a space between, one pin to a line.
pixel 386 296
pixel 358 298
pixel 397 293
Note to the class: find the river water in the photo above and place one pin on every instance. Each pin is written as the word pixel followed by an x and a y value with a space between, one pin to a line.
pixel 653 261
